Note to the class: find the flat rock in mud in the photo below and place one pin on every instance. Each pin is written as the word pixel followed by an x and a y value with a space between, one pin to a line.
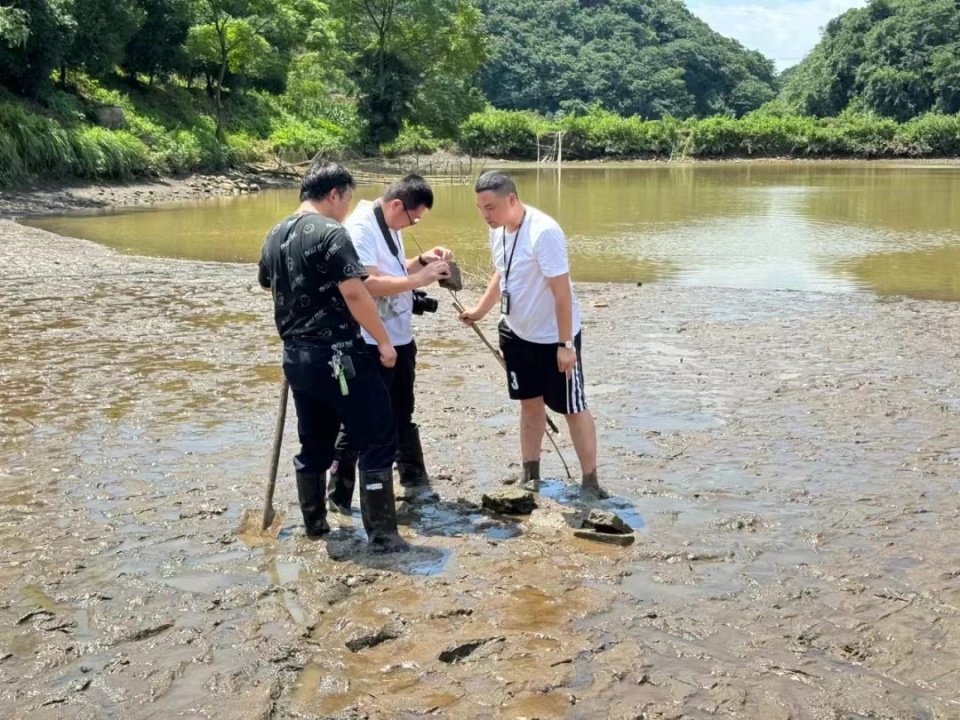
pixel 390 631
pixel 509 501
pixel 461 651
pixel 606 538
pixel 604 521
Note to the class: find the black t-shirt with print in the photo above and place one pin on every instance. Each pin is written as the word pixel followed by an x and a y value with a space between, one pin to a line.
pixel 303 262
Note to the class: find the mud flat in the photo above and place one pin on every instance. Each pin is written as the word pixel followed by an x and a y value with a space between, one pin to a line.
pixel 790 462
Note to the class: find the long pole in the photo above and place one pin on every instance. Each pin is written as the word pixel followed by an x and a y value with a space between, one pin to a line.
pixel 268 511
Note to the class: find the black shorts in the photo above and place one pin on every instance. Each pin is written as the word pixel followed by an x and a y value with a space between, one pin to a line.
pixel 532 372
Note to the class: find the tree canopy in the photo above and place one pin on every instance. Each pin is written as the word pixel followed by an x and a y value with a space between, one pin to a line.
pixel 374 74
pixel 897 58
pixel 651 58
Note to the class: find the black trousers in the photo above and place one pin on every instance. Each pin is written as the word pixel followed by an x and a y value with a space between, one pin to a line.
pixel 365 413
pixel 399 381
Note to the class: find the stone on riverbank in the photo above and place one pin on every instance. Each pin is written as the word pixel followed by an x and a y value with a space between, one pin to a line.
pixel 604 521
pixel 509 501
pixel 606 538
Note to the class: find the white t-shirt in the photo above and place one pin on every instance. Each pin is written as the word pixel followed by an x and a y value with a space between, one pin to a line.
pixel 541 253
pixel 396 311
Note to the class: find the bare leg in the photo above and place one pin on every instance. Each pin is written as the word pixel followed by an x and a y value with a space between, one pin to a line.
pixel 533 425
pixel 583 432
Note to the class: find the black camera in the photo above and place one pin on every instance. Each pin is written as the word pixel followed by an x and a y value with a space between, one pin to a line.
pixel 424 303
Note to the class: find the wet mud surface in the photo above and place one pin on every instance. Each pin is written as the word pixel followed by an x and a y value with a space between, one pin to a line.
pixel 790 463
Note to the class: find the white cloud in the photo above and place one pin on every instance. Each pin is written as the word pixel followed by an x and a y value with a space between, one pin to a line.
pixel 784 30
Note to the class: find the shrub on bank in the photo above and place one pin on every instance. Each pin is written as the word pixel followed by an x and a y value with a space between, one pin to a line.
pixel 603 135
pixel 297 139
pixel 503 133
pixel 413 140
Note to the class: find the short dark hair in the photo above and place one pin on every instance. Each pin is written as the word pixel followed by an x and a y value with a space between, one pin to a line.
pixel 413 191
pixel 322 178
pixel 496 181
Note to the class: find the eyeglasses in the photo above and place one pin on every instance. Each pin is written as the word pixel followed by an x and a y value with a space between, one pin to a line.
pixel 413 220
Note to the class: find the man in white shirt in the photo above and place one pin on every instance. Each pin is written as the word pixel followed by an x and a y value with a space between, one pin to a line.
pixel 539 328
pixel 374 228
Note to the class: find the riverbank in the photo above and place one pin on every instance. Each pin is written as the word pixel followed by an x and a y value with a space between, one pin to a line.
pixel 61 198
pixel 788 459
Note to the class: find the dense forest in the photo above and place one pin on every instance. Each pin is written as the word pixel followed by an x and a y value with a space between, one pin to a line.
pixel 895 58
pixel 124 87
pixel 651 58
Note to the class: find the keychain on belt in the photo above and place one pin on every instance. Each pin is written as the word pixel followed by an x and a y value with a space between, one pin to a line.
pixel 342 370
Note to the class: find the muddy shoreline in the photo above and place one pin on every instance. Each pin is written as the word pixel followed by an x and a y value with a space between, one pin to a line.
pixel 789 460
pixel 51 197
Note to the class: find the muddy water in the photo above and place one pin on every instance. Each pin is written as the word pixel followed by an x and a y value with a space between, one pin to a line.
pixel 889 229
pixel 790 461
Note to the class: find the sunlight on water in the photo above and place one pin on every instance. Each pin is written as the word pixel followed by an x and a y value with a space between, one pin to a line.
pixel 798 226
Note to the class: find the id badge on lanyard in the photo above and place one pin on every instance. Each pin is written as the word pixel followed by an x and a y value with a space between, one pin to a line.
pixel 504 303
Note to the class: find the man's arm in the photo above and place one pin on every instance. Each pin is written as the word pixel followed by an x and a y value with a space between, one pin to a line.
pixel 384 285
pixel 551 253
pixel 263 276
pixel 343 266
pixel 490 298
pixel 364 311
pixel 430 256
pixel 563 303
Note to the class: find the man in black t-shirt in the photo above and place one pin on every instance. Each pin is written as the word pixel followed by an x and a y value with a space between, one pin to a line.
pixel 320 303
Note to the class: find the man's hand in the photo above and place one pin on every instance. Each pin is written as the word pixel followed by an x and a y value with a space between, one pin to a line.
pixel 388 354
pixel 469 317
pixel 434 271
pixel 437 254
pixel 566 360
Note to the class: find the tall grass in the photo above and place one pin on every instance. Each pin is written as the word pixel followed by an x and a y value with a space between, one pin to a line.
pixel 602 135
pixel 32 145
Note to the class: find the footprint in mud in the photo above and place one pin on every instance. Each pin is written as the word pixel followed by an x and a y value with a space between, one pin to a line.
pixel 349 544
pixel 431 516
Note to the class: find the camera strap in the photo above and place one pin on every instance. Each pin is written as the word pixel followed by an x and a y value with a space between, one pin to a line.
pixel 388 236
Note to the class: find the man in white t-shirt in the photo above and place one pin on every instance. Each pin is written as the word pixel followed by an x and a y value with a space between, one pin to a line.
pixel 540 325
pixel 374 228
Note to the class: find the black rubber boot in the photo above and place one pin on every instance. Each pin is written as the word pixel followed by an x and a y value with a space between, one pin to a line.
pixel 410 465
pixel 379 511
pixel 310 494
pixel 343 477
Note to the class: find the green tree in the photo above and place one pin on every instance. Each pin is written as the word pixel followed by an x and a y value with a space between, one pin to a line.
pixel 14 26
pixel 232 35
pixel 103 29
pixel 36 37
pixel 897 58
pixel 646 57
pixel 404 54
pixel 157 46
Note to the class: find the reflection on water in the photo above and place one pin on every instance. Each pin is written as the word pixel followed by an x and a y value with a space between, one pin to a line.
pixel 803 226
pixel 930 274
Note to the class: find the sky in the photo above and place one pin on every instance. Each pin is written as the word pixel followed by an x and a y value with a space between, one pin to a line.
pixel 783 30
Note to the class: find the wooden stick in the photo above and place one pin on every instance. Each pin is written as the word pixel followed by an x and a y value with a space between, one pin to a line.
pixel 460 309
pixel 268 512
